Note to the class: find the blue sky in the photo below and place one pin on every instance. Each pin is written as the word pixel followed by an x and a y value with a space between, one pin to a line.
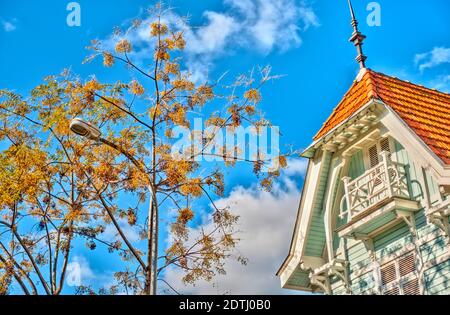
pixel 306 41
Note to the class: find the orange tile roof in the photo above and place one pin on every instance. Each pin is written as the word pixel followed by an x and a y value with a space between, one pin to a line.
pixel 425 111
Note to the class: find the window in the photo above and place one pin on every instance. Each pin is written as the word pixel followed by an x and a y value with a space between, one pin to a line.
pixel 399 277
pixel 373 152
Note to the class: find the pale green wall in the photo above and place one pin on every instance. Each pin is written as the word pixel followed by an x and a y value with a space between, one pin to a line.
pixel 437 278
pixel 356 167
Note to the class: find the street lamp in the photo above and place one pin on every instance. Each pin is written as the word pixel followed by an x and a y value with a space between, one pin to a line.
pixel 84 129
pixel 87 130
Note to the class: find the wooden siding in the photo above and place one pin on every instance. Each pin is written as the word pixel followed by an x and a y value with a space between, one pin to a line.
pixel 300 278
pixel 358 256
pixel 356 167
pixel 437 279
pixel 432 187
pixel 415 188
pixel 433 249
pixel 392 240
pixel 364 284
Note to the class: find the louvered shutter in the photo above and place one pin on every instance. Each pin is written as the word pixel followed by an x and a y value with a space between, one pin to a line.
pixel 407 265
pixel 384 145
pixel 393 291
pixel 399 277
pixel 411 287
pixel 373 156
pixel 388 274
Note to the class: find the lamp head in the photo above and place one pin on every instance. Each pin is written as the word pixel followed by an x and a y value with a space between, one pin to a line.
pixel 84 129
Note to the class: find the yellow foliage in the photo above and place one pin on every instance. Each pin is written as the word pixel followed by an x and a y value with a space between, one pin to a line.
pixel 183 84
pixel 185 215
pixel 176 170
pixel 108 60
pixel 169 43
pixel 266 183
pixel 161 54
pixel 282 161
pixel 253 95
pixel 250 110
pixel 193 187
pixel 215 121
pixel 123 46
pixel 178 116
pixel 180 43
pixel 92 85
pixel 171 68
pixel 158 29
pixel 136 88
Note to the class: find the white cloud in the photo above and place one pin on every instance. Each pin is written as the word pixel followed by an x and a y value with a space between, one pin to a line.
pixel 212 37
pixel 9 26
pixel 433 58
pixel 130 232
pixel 441 83
pixel 266 222
pixel 272 24
pixel 296 167
pixel 262 25
pixel 84 267
pixel 80 272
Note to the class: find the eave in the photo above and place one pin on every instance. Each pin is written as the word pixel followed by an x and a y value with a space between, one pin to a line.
pixel 363 113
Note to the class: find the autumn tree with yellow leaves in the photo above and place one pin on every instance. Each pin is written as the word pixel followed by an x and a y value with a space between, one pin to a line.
pixel 58 189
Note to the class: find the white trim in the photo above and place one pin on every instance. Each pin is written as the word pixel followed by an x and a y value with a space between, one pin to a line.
pixel 360 220
pixel 304 217
pixel 329 198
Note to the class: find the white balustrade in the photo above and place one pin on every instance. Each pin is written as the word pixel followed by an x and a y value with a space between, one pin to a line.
pixel 385 180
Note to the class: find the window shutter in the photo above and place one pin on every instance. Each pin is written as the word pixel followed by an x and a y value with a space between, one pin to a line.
pixel 393 291
pixel 388 274
pixel 399 277
pixel 411 287
pixel 373 156
pixel 384 145
pixel 407 265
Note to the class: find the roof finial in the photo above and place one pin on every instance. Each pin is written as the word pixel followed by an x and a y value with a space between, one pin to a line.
pixel 357 39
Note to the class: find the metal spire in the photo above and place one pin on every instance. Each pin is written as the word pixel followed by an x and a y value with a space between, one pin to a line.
pixel 357 39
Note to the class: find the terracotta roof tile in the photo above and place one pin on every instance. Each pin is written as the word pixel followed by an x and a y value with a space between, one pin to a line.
pixel 426 111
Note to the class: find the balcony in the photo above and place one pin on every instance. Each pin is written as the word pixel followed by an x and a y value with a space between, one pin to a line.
pixel 376 199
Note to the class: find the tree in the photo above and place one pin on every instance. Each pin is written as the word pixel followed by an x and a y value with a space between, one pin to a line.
pixel 57 186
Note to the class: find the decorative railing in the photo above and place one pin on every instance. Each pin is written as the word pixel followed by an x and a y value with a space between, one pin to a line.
pixel 386 180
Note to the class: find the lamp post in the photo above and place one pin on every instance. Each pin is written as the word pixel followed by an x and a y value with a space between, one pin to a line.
pixel 87 130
